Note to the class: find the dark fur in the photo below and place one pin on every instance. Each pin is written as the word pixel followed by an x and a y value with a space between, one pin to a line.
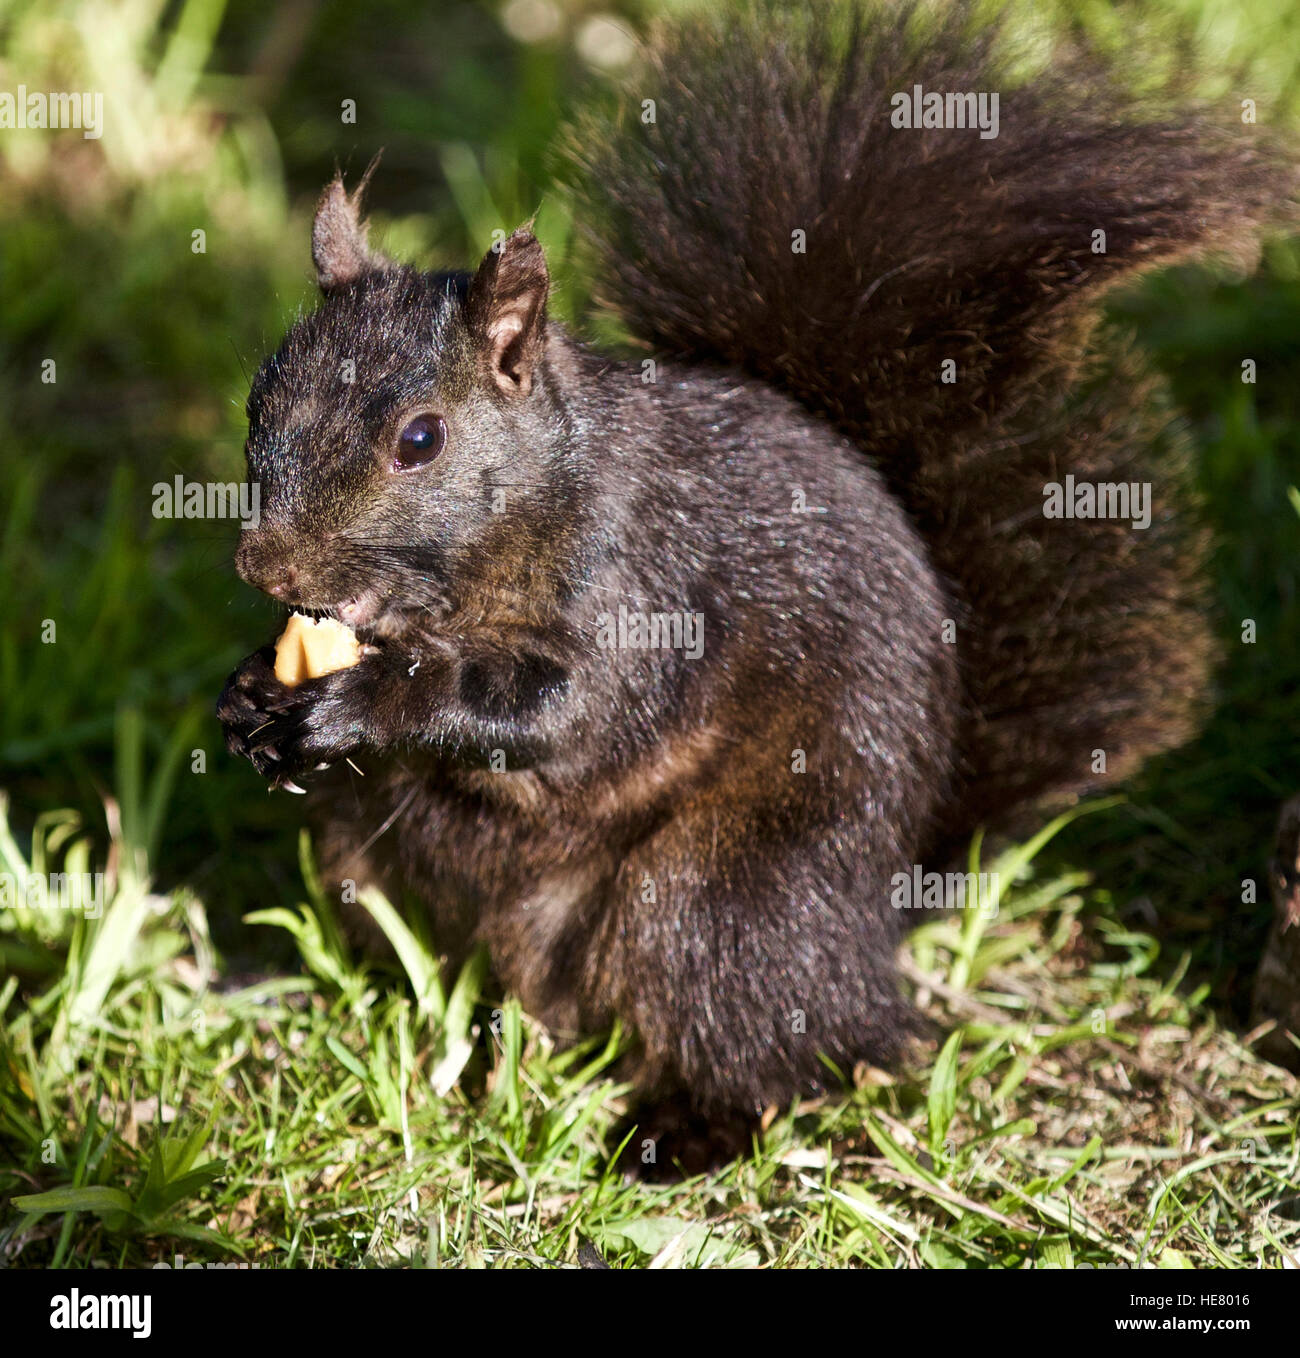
pixel 1276 996
pixel 647 851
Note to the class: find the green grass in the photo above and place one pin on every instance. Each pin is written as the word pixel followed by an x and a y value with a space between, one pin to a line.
pixel 206 1070
pixel 1081 1110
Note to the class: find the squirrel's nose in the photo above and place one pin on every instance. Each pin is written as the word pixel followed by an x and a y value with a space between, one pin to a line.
pixel 263 571
pixel 286 587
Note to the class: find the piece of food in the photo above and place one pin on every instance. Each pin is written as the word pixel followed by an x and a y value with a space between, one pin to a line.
pixel 311 647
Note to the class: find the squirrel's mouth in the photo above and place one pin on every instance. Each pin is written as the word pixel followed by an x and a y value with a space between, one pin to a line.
pixel 363 610
pixel 366 614
pixel 376 617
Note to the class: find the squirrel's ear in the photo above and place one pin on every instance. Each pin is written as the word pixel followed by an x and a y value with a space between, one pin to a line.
pixel 506 310
pixel 338 236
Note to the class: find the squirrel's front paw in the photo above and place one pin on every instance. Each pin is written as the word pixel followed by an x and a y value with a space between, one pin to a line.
pixel 252 696
pixel 287 732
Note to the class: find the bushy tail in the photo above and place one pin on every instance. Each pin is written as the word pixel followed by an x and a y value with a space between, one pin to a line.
pixel 766 212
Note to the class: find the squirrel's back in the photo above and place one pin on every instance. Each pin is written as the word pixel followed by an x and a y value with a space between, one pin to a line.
pixel 933 291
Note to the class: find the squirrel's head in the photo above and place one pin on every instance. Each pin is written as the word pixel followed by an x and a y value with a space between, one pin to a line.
pixel 402 431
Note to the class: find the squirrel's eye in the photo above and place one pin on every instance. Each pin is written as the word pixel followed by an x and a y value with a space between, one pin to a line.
pixel 420 442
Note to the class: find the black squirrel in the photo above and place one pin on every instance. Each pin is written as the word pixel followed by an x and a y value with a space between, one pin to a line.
pixel 876 359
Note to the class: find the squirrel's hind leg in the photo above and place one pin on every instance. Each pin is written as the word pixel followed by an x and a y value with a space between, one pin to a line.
pixel 668 1139
pixel 762 964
